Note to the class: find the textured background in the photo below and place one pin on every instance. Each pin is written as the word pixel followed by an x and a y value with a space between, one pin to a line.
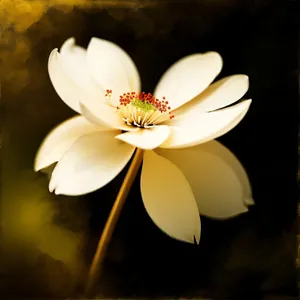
pixel 48 241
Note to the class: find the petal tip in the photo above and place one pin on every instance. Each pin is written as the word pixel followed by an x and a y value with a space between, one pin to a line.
pixel 245 104
pixel 69 43
pixel 54 54
pixel 242 77
pixel 249 101
pixel 38 165
pixel 249 201
pixel 196 239
pixel 246 78
pixel 52 185
pixel 214 54
pixel 54 51
pixel 36 168
pixel 71 40
pixel 94 40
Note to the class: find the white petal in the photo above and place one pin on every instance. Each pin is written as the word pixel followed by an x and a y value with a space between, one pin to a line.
pixel 113 68
pixel 146 138
pixel 188 77
pixel 60 139
pixel 70 92
pixel 195 128
pixel 168 198
pixel 91 163
pixel 218 95
pixel 218 180
pixel 75 63
pixel 105 115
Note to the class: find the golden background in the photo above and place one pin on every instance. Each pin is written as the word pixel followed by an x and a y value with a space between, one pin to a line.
pixel 29 224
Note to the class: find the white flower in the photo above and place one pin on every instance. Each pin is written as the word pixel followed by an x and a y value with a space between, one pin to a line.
pixel 92 148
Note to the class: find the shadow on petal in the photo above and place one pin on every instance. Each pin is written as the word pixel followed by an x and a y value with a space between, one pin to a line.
pixel 168 198
pixel 218 180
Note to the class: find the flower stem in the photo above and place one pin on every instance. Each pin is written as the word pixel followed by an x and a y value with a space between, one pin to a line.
pixel 95 269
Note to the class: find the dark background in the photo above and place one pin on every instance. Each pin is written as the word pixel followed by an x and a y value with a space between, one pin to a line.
pixel 247 257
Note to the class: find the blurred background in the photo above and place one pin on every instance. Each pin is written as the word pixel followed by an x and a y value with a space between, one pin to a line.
pixel 48 241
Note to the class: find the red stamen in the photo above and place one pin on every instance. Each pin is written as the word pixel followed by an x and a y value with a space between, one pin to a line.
pixel 160 105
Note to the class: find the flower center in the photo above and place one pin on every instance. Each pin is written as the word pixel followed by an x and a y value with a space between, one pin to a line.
pixel 142 109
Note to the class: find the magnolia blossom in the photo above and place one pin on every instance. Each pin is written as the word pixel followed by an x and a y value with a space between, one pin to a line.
pixel 185 172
